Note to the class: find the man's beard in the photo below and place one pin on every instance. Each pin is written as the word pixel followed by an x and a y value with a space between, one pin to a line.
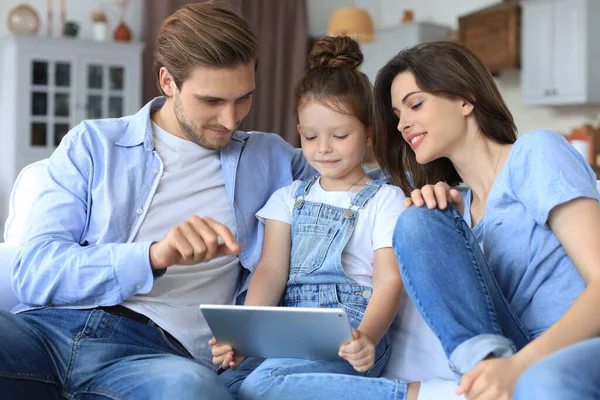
pixel 221 141
pixel 193 135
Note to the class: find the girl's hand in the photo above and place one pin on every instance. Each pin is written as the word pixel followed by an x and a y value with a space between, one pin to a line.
pixel 224 355
pixel 360 352
pixel 434 196
pixel 492 379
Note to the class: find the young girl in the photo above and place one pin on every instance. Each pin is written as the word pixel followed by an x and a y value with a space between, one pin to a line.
pixel 328 239
pixel 519 277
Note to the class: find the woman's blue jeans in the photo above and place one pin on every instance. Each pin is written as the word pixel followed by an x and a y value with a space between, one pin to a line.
pixel 448 279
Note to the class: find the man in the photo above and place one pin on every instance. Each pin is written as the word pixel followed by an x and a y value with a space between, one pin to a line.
pixel 142 219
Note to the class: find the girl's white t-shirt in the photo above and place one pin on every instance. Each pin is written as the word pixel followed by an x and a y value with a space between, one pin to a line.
pixel 374 225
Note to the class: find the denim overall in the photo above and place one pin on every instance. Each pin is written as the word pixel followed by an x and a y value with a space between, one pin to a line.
pixel 320 233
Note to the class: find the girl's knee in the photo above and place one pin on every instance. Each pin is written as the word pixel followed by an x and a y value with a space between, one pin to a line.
pixel 255 384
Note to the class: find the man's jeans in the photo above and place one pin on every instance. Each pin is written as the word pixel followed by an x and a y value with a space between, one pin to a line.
pixel 449 281
pixel 572 373
pixel 82 354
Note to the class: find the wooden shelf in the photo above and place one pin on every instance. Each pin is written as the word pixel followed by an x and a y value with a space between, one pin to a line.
pixel 494 34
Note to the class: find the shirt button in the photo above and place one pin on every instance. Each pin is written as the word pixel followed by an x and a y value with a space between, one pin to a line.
pixel 139 211
pixel 155 170
pixel 138 286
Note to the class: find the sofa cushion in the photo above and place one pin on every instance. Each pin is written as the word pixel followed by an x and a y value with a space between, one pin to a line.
pixel 24 191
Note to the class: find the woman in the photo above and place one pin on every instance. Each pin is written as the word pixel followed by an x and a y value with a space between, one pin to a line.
pixel 518 277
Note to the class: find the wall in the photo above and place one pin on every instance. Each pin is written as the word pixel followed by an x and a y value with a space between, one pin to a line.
pixel 79 11
pixel 389 12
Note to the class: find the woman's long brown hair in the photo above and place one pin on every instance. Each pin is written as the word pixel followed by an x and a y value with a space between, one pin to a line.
pixel 443 69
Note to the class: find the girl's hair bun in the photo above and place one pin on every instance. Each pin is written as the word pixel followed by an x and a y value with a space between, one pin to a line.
pixel 335 52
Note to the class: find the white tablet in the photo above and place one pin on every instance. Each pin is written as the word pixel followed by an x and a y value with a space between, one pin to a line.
pixel 274 332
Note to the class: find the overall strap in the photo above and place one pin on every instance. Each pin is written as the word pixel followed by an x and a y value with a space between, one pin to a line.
pixel 303 190
pixel 365 194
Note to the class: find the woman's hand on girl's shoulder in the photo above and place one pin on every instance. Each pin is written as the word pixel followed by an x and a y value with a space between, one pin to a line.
pixel 434 196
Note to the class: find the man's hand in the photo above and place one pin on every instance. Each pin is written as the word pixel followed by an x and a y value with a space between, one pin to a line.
pixel 492 379
pixel 193 241
pixel 436 196
pixel 360 352
pixel 224 355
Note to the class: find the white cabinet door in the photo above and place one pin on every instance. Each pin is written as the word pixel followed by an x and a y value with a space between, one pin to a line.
pixel 569 51
pixel 537 48
pixel 556 60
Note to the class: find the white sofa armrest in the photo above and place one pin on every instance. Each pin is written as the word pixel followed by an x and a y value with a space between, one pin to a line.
pixel 25 189
pixel 7 297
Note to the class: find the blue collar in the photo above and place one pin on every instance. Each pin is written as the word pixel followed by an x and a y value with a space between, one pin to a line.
pixel 139 128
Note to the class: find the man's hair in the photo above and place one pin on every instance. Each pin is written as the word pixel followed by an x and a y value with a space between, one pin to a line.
pixel 207 34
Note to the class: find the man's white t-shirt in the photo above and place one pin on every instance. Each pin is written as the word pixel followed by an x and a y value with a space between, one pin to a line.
pixel 191 184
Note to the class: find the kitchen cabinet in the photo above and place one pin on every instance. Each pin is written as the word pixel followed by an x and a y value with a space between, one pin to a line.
pixel 560 54
pixel 493 33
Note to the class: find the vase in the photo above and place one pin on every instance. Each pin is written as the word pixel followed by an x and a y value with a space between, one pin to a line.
pixel 23 20
pixel 71 29
pixel 122 33
pixel 100 30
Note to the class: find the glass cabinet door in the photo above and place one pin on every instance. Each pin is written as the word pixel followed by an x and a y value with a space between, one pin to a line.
pixel 115 100
pixel 104 90
pixel 51 91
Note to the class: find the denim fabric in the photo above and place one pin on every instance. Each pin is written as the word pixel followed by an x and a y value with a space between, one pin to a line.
pixel 447 278
pixel 233 378
pixel 572 373
pixel 317 279
pixel 351 298
pixel 282 379
pixel 94 354
pixel 320 233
